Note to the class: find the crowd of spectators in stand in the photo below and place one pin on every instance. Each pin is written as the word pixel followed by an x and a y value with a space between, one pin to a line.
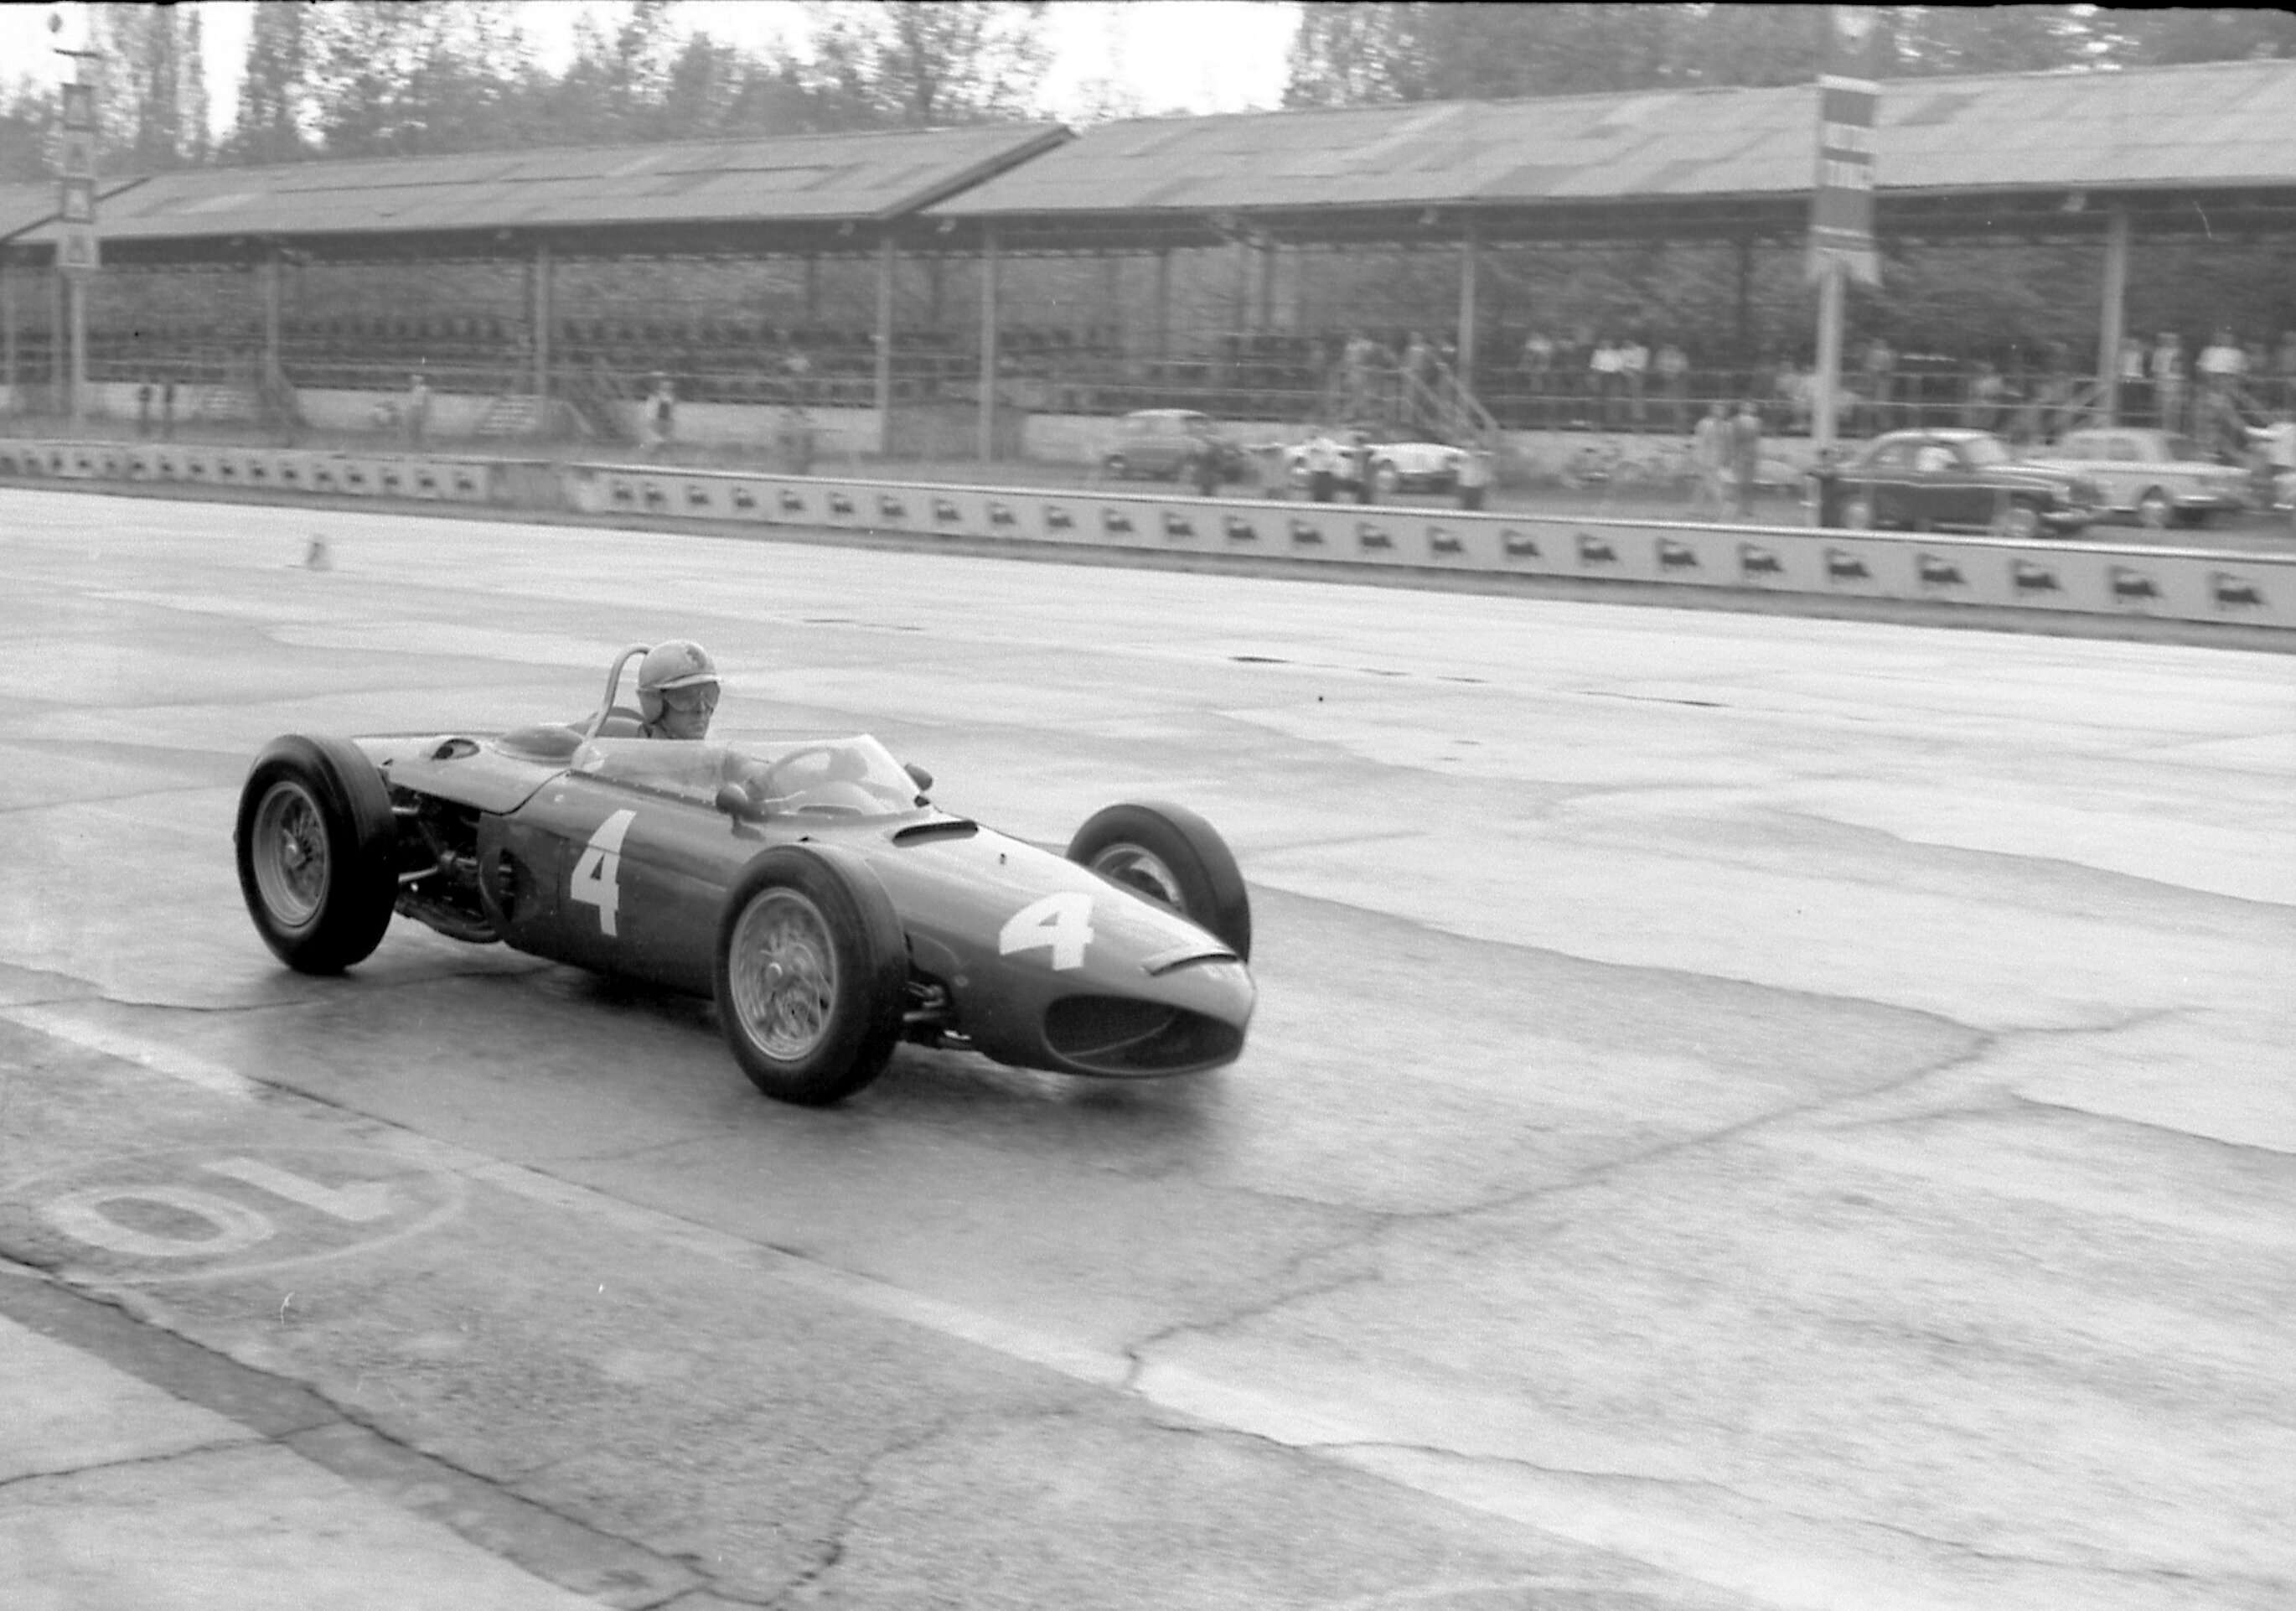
pixel 1624 378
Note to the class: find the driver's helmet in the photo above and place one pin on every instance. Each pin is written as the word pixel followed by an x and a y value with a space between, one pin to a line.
pixel 679 663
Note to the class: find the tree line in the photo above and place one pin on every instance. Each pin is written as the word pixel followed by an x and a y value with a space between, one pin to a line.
pixel 395 77
pixel 400 78
pixel 1414 50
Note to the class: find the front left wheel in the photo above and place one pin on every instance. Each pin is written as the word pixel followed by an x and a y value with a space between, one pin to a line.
pixel 812 974
pixel 314 842
pixel 1174 858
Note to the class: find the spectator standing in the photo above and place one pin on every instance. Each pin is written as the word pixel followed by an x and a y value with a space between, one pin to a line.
pixel 1474 477
pixel 2168 380
pixel 1418 378
pixel 1879 366
pixel 1573 377
pixel 418 412
pixel 660 417
pixel 1746 453
pixel 1355 374
pixel 1634 378
pixel 1709 454
pixel 1989 398
pixel 1671 364
pixel 1794 396
pixel 2136 389
pixel 2216 412
pixel 1204 463
pixel 1360 452
pixel 2274 459
pixel 1602 373
pixel 168 410
pixel 144 396
pixel 1538 366
pixel 1322 460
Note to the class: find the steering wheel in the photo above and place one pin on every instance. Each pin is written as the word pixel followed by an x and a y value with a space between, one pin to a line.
pixel 762 784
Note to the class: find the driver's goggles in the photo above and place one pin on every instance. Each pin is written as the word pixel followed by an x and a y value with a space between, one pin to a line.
pixel 694 701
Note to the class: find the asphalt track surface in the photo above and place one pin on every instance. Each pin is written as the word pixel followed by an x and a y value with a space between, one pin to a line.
pixel 1744 1111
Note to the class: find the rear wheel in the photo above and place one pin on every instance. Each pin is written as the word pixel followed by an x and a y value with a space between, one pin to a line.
pixel 2021 522
pixel 1385 479
pixel 2154 509
pixel 1857 512
pixel 812 974
pixel 1115 465
pixel 1169 855
pixel 314 842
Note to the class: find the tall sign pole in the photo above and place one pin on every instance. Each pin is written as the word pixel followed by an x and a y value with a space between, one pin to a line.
pixel 1841 207
pixel 76 250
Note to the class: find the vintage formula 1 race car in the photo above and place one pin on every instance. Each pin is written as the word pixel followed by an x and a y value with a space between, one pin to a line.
pixel 809 886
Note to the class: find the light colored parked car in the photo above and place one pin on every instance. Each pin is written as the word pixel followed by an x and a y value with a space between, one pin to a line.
pixel 2159 477
pixel 1395 466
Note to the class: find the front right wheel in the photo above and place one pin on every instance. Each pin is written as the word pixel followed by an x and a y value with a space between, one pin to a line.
pixel 812 974
pixel 1169 855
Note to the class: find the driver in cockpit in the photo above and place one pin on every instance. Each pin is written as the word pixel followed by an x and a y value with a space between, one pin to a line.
pixel 678 690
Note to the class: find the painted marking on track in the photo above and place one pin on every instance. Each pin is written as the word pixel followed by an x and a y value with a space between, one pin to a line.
pixel 187 1214
pixel 359 1205
pixel 82 1215
pixel 155 1055
pixel 1807 1573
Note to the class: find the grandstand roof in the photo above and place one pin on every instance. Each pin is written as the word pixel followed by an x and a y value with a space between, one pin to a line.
pixel 2020 152
pixel 1670 157
pixel 27 204
pixel 660 190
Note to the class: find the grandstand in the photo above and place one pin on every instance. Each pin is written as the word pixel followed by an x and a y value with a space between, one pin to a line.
pixel 1215 262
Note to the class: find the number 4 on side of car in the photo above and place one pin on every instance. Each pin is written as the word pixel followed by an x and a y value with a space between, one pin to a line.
pixel 809 886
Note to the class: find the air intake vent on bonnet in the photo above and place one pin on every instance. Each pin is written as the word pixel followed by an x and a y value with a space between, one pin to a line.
pixel 1116 1035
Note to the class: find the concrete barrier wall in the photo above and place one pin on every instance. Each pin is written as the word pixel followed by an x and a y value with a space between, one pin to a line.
pixel 2175 584
pixel 2172 584
pixel 428 478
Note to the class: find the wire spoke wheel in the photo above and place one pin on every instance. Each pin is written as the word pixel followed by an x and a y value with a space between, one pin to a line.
pixel 1138 868
pixel 290 852
pixel 783 973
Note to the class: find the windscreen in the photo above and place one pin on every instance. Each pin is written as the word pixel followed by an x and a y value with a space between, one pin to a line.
pixel 851 776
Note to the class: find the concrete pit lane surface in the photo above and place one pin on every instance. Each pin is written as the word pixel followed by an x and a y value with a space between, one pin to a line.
pixel 1743 1112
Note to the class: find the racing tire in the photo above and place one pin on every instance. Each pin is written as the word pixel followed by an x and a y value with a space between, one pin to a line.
pixel 1857 514
pixel 2155 511
pixel 811 976
pixel 2018 522
pixel 1386 479
pixel 1169 855
pixel 314 840
pixel 1114 467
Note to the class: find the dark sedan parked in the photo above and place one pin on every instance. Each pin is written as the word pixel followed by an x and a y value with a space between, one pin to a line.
pixel 1162 442
pixel 1923 481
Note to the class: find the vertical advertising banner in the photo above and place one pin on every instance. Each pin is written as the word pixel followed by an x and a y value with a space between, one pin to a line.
pixel 1849 91
pixel 75 251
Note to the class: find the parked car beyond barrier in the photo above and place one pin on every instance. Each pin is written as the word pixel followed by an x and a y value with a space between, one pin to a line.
pixel 1397 466
pixel 2158 476
pixel 1925 480
pixel 1159 441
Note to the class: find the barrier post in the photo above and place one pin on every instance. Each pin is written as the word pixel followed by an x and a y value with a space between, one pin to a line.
pixel 988 421
pixel 2111 329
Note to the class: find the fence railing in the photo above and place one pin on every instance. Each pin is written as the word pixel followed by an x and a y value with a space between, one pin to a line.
pixel 1245 378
